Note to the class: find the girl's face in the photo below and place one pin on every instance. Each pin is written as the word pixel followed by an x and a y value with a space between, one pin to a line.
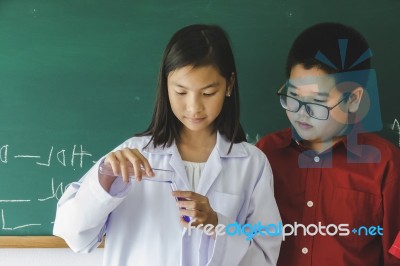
pixel 196 96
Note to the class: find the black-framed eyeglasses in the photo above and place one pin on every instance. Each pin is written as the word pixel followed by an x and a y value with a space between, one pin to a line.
pixel 315 110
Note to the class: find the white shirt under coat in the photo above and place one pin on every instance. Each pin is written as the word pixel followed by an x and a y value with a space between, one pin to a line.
pixel 141 220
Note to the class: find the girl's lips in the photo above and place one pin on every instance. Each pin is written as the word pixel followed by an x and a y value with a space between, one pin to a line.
pixel 195 120
pixel 304 125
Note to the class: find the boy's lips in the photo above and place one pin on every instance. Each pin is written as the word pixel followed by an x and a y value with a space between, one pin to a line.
pixel 303 125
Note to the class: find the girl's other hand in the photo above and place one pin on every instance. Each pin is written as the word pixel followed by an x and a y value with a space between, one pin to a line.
pixel 197 207
pixel 122 160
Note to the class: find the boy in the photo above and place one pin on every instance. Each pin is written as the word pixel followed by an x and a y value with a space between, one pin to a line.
pixel 337 186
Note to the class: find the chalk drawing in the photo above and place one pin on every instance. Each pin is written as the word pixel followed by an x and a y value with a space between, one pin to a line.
pixel 55 193
pixel 396 127
pixel 253 140
pixel 4 154
pixel 48 161
pixel 81 154
pixel 14 201
pixel 4 227
pixel 75 157
pixel 54 156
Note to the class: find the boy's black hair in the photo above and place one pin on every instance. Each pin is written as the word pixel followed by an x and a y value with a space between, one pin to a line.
pixel 324 38
pixel 197 46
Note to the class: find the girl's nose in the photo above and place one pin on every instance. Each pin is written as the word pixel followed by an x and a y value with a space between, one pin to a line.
pixel 194 104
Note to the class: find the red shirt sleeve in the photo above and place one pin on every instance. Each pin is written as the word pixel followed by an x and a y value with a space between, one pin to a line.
pixel 395 249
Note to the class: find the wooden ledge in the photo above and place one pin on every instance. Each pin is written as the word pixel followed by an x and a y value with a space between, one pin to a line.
pixel 34 242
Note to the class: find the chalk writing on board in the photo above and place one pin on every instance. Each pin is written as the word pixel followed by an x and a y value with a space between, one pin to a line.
pixel 55 193
pixel 396 127
pixel 252 140
pixel 13 201
pixel 26 156
pixel 74 156
pixel 58 156
pixel 4 154
pixel 4 226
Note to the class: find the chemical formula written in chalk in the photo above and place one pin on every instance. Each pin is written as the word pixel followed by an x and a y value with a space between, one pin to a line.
pixel 53 156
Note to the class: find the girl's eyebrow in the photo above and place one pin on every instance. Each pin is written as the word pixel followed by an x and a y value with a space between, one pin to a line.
pixel 214 84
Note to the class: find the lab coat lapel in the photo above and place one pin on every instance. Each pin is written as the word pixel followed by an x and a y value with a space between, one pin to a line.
pixel 211 171
pixel 213 167
pixel 181 181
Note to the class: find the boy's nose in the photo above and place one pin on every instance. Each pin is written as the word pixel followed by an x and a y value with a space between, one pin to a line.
pixel 302 111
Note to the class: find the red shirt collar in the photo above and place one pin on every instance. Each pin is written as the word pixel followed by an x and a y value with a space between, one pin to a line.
pixel 288 138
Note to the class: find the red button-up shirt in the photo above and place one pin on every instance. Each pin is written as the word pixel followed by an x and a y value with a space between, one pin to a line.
pixel 395 249
pixel 358 185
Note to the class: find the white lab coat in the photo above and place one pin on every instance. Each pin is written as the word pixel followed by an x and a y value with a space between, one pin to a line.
pixel 141 220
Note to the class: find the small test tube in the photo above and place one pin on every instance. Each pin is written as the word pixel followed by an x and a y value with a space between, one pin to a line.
pixel 161 175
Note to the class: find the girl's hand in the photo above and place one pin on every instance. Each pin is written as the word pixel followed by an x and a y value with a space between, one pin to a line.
pixel 197 207
pixel 122 161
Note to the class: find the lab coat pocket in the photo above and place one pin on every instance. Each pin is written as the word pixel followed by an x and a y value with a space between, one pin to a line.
pixel 226 204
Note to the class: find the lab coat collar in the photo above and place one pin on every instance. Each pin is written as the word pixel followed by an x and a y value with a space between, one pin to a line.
pixel 222 146
pixel 212 168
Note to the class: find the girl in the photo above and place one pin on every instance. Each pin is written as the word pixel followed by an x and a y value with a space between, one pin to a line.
pixel 195 134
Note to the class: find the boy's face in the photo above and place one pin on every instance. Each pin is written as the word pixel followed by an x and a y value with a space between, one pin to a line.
pixel 315 86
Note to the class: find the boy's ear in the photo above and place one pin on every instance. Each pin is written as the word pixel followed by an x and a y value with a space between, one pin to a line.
pixel 355 99
pixel 230 85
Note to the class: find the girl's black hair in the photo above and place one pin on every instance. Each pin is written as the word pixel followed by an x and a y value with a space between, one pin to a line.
pixel 197 46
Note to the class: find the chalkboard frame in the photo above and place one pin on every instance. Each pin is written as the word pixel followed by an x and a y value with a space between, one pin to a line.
pixel 34 242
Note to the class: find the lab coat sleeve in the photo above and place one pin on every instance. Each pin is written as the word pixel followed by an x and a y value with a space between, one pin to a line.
pixel 83 210
pixel 235 249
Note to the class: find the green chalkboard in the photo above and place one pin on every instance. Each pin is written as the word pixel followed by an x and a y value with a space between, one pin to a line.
pixel 78 77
